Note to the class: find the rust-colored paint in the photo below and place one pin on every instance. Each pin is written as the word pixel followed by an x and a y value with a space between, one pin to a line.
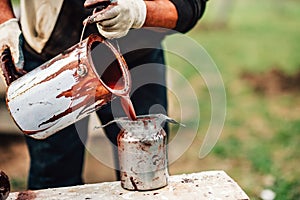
pixel 134 184
pixel 83 88
pixel 128 107
pixel 26 195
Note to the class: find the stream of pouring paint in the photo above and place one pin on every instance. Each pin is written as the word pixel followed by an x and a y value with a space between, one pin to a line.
pixel 125 100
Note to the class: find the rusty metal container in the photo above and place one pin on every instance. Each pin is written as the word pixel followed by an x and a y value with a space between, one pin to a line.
pixel 142 146
pixel 67 88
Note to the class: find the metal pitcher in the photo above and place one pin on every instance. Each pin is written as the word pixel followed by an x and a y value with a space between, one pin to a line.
pixel 142 147
pixel 67 88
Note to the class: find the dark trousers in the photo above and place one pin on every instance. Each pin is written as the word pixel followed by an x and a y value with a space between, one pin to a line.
pixel 58 160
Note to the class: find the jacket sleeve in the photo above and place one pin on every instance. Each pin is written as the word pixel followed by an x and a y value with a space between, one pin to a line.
pixel 189 12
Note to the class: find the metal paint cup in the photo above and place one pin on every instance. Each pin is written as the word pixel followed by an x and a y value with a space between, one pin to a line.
pixel 142 146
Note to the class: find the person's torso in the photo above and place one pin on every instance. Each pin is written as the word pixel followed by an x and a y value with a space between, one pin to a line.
pixel 67 29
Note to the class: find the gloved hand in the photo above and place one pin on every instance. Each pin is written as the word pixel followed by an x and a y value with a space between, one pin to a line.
pixel 11 36
pixel 118 18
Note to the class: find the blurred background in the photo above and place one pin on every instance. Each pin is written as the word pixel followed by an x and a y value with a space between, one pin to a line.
pixel 255 45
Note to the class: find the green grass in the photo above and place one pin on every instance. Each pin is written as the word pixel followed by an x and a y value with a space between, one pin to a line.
pixel 15 2
pixel 287 189
pixel 229 148
pixel 257 36
pixel 18 184
pixel 261 136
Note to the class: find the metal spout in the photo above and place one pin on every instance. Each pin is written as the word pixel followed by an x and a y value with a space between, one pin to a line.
pixel 157 119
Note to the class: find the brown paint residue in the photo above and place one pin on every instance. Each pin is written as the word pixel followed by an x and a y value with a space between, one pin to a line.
pixel 133 183
pixel 26 195
pixel 89 88
pixel 82 89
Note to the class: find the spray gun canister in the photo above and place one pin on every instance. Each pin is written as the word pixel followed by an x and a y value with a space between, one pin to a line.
pixel 142 147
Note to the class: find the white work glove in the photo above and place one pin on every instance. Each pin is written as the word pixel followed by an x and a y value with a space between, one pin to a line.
pixel 117 19
pixel 11 36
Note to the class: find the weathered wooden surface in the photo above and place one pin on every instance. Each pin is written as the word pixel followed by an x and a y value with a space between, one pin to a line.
pixel 211 185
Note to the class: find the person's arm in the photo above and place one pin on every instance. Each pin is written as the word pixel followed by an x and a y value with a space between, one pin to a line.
pixel 181 15
pixel 118 18
pixel 189 13
pixel 161 13
pixel 6 11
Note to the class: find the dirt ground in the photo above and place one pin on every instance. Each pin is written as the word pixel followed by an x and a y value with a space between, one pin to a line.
pixel 274 81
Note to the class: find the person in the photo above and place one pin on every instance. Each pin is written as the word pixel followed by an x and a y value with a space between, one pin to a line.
pixel 47 28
